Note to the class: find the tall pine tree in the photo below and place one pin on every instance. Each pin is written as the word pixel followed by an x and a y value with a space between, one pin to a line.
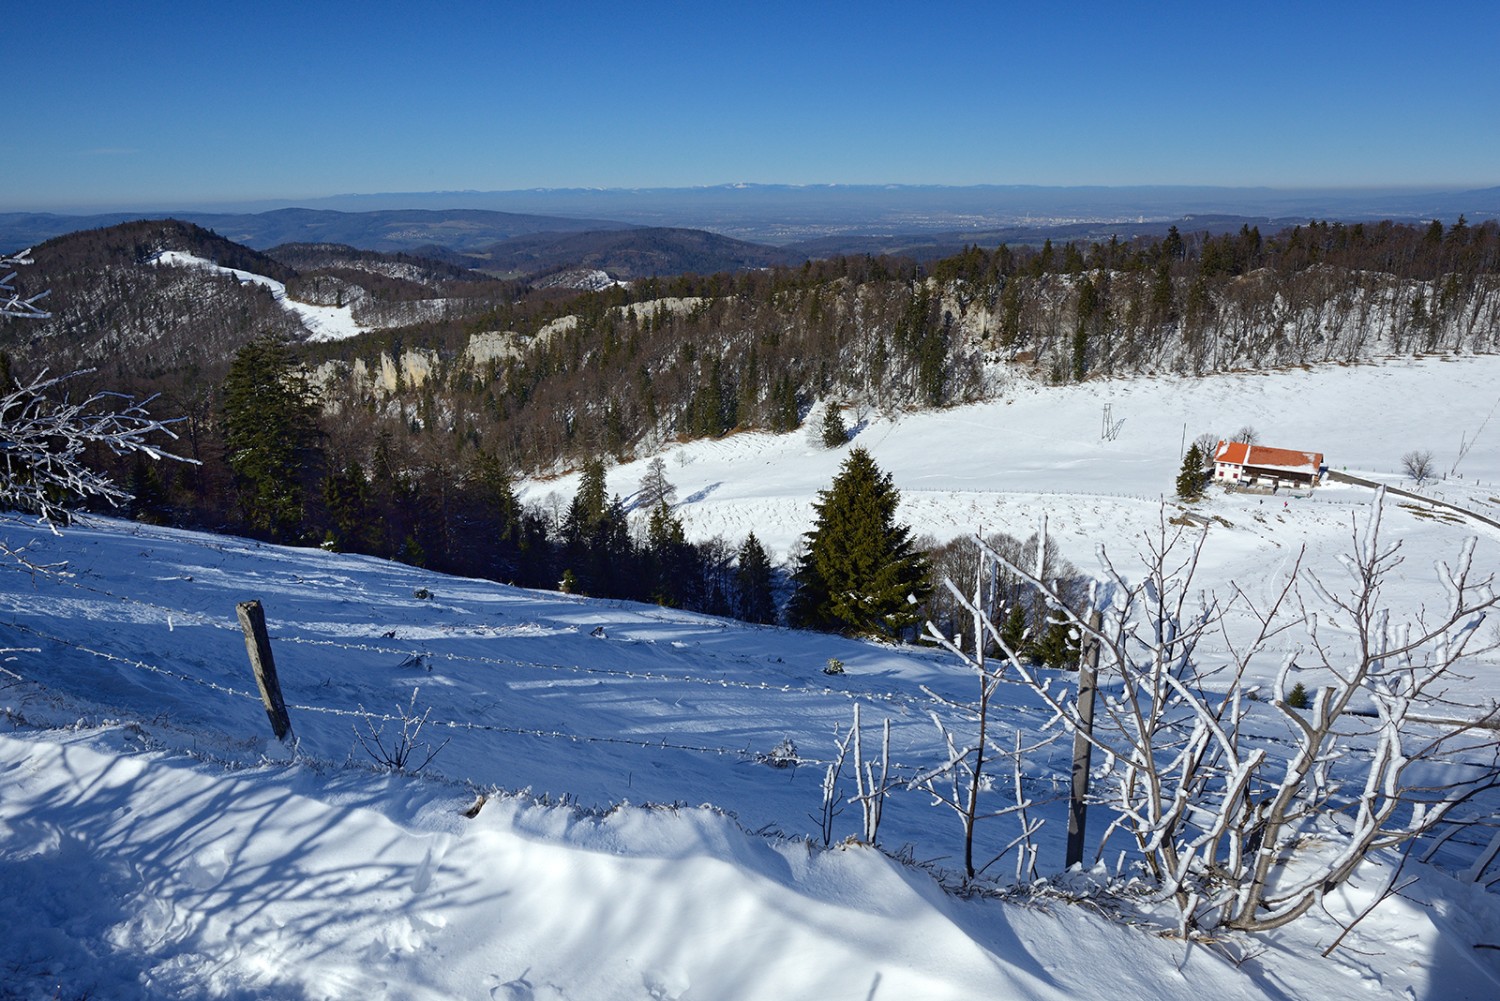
pixel 754 601
pixel 271 437
pixel 859 565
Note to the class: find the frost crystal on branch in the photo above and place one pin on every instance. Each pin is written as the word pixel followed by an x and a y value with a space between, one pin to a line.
pixel 44 434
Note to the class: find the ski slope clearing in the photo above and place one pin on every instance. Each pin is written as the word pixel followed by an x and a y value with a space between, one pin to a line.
pixel 323 323
pixel 623 801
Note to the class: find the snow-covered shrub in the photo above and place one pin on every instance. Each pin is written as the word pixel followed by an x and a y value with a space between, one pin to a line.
pixel 783 755
pixel 1234 831
pixel 403 750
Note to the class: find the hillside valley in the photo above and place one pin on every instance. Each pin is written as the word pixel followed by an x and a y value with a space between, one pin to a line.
pixel 414 394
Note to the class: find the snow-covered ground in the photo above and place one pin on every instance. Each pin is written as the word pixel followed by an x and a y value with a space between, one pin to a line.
pixel 634 836
pixel 986 465
pixel 323 323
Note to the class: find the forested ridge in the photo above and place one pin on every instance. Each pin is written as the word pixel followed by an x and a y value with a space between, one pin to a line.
pixel 627 368
pixel 403 441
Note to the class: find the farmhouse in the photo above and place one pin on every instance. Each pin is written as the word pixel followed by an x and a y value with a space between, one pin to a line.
pixel 1239 464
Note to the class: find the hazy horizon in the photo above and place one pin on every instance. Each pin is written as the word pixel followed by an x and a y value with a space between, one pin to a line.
pixel 284 103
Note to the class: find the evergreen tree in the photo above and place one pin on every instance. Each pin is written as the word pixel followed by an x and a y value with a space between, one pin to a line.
pixel 492 520
pixel 596 537
pixel 346 498
pixel 859 565
pixel 1013 630
pixel 835 434
pixel 668 555
pixel 752 578
pixel 783 404
pixel 148 491
pixel 1057 647
pixel 1192 479
pixel 270 436
pixel 589 502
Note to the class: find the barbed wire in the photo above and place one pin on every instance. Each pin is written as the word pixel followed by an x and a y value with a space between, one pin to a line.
pixel 179 615
pixel 465 725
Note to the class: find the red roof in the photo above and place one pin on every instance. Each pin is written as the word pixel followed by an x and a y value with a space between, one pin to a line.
pixel 1241 454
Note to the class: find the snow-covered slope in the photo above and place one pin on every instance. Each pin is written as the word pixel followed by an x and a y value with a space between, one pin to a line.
pixel 988 465
pixel 167 846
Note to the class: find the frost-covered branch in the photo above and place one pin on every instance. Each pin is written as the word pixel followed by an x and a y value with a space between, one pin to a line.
pixel 871 786
pixel 11 303
pixel 1237 835
pixel 959 782
pixel 44 436
pixel 830 808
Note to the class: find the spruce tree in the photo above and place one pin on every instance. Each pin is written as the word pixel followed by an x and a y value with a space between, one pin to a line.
pixel 1191 479
pixel 834 434
pixel 596 537
pixel 752 578
pixel 668 556
pixel 1013 630
pixel 270 436
pixel 346 499
pixel 492 519
pixel 859 565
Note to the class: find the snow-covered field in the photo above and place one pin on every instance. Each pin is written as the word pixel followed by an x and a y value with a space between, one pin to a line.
pixel 633 835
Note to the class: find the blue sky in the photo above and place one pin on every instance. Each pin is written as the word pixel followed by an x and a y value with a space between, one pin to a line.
pixel 177 104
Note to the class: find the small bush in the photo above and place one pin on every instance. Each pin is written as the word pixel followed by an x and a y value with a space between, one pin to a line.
pixel 834 666
pixel 783 755
pixel 1297 697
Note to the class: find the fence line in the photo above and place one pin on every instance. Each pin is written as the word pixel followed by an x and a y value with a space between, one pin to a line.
pixel 466 725
pixel 220 622
pixel 897 769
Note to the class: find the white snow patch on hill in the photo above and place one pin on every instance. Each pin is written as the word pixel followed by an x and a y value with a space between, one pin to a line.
pixel 323 323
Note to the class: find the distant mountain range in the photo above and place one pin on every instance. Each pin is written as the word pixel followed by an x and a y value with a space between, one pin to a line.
pixel 386 230
pixel 784 213
pixel 778 214
pixel 637 233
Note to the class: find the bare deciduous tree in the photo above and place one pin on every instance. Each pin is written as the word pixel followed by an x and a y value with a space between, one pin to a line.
pixel 44 434
pixel 1238 836
pixel 1418 464
pixel 958 782
pixel 655 488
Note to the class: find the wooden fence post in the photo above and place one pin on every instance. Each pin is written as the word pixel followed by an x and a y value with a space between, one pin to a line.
pixel 1083 751
pixel 258 646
